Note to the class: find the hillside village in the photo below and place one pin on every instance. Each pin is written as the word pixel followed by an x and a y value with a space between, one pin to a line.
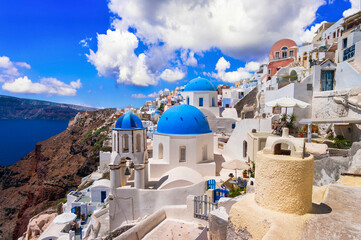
pixel 276 156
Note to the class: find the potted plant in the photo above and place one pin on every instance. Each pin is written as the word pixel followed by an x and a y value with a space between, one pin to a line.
pixel 245 173
pixel 301 133
pixel 82 217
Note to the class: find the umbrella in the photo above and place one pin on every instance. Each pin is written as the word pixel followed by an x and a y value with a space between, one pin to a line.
pixel 287 102
pixel 235 165
pixel 64 218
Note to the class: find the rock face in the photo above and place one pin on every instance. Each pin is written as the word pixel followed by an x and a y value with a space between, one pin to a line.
pixel 56 165
pixel 21 108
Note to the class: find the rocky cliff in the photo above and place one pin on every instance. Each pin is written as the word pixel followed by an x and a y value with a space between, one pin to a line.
pixel 21 108
pixel 43 177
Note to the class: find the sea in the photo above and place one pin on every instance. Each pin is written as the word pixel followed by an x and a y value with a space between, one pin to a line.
pixel 18 137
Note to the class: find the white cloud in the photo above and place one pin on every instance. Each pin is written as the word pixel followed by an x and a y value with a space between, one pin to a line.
pixel 252 66
pixel 355 7
pixel 23 64
pixel 188 58
pixel 238 28
pixel 308 35
pixel 116 58
pixel 233 76
pixel 138 95
pixel 51 86
pixel 85 42
pixel 8 71
pixel 170 75
pixel 153 95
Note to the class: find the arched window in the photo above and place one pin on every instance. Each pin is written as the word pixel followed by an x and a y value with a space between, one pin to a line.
pixel 188 100
pixel 244 148
pixel 125 143
pixel 182 153
pixel 139 143
pixel 115 142
pixel 284 52
pixel 160 151
pixel 204 153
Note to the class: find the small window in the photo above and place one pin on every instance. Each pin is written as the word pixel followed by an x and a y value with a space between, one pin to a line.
pixel 213 103
pixel 284 54
pixel 233 125
pixel 269 71
pixel 292 53
pixel 182 154
pixel 344 43
pixel 277 55
pixel 188 100
pixel 334 34
pixel 244 148
pixel 201 102
pixel 139 143
pixel 284 49
pixel 160 151
pixel 309 87
pixel 204 153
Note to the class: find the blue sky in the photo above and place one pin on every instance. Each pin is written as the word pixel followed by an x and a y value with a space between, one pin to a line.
pixel 144 46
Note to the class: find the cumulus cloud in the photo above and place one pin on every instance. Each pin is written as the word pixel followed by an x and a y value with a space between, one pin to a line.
pixel 233 76
pixel 116 58
pixel 170 75
pixel 51 86
pixel 188 58
pixel 355 7
pixel 23 64
pixel 238 28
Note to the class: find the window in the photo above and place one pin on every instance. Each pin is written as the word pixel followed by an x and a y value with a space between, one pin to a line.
pixel 244 148
pixel 269 71
pixel 292 53
pixel 334 34
pixel 188 100
pixel 200 102
pixel 277 55
pixel 279 150
pixel 284 54
pixel 125 142
pixel 213 102
pixel 233 125
pixel 182 154
pixel 204 153
pixel 284 49
pixel 160 151
pixel 344 43
pixel 309 87
pixel 240 95
pixel 138 140
pixel 115 143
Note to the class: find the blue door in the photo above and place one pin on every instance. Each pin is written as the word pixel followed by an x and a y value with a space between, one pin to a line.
pixel 103 196
pixel 327 80
pixel 201 102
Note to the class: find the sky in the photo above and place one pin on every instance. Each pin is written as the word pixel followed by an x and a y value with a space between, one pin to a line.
pixel 118 52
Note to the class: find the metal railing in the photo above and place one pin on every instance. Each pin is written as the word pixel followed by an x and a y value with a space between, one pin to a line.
pixel 203 205
pixel 349 52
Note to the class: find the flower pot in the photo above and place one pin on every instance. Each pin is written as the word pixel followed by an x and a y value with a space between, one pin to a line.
pixel 300 135
pixel 244 175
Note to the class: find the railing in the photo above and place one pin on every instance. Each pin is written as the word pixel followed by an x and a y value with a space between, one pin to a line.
pixel 349 52
pixel 203 205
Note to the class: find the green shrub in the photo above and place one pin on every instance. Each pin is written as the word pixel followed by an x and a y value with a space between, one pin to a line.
pixel 340 142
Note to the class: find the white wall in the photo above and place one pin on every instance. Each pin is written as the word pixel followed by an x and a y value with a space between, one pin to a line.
pixel 95 193
pixel 206 95
pixel 131 203
pixel 234 147
pixel 171 154
pixel 104 160
pixel 346 76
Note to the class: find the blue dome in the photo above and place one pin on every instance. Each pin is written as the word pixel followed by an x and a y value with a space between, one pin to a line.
pixel 151 107
pixel 128 121
pixel 183 120
pixel 199 84
pixel 157 112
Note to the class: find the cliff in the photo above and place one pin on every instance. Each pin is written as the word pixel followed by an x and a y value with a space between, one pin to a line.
pixel 43 177
pixel 21 108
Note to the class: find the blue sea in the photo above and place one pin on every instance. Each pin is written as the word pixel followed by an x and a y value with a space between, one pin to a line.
pixel 18 137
